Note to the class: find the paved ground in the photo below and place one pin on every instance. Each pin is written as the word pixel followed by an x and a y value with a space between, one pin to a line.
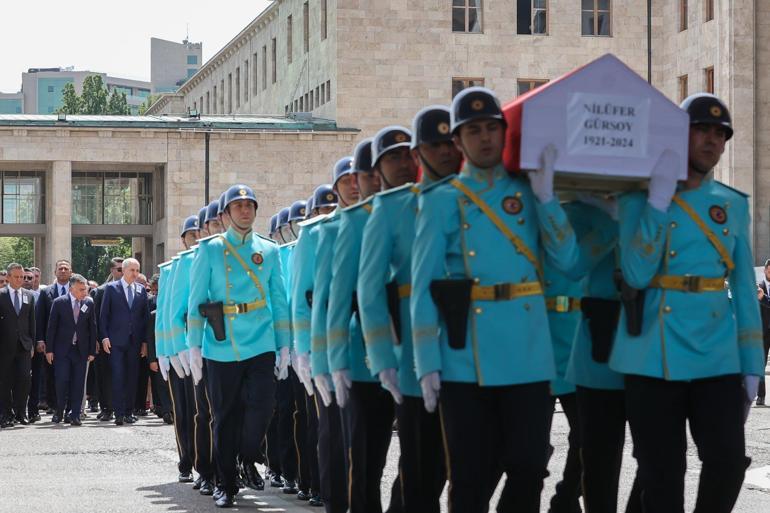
pixel 56 469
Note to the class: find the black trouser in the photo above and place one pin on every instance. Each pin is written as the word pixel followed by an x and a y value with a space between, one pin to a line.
pixel 242 395
pixel 15 377
pixel 421 465
pixel 204 435
pixel 49 379
pixel 92 391
pixel 484 424
pixel 331 457
pixel 369 415
pixel 104 381
pixel 39 365
pixel 70 381
pixel 287 452
pixel 568 490
pixel 140 403
pixel 311 406
pixel 270 447
pixel 300 428
pixel 761 391
pixel 183 402
pixel 658 412
pixel 602 426
pixel 161 398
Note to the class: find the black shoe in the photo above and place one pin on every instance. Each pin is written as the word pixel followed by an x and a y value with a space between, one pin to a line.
pixel 251 477
pixel 316 501
pixel 140 412
pixel 168 418
pixel 760 401
pixel 93 408
pixel 197 483
pixel 56 417
pixel 207 487
pixel 185 477
pixel 217 493
pixel 119 420
pixel 76 422
pixel 107 416
pixel 289 486
pixel 6 422
pixel 49 411
pixel 21 419
pixel 130 419
pixel 276 481
pixel 226 500
pixel 34 417
pixel 303 495
pixel 67 418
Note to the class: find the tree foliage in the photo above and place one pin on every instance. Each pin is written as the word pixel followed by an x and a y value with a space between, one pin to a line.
pixel 16 249
pixel 71 102
pixel 93 262
pixel 148 103
pixel 95 100
pixel 117 104
pixel 94 96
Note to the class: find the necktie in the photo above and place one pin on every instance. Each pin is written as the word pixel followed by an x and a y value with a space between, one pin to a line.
pixel 16 303
pixel 76 314
pixel 63 291
pixel 130 296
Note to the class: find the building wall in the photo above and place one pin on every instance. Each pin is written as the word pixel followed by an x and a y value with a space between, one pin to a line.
pixel 11 103
pixel 171 62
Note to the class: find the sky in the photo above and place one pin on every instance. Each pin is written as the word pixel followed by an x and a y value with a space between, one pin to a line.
pixel 110 37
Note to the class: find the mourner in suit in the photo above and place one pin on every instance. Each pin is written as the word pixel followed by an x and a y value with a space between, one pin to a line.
pixel 122 329
pixel 17 331
pixel 763 293
pixel 71 344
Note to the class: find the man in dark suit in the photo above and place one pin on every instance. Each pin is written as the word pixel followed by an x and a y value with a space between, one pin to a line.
pixel 43 373
pixel 17 332
pixel 103 371
pixel 123 318
pixel 763 293
pixel 71 344
pixel 160 393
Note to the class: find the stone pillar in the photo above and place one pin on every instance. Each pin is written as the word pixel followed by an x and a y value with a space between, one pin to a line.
pixel 58 214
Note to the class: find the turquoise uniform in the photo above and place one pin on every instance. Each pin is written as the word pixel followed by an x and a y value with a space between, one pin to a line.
pixel 177 308
pixel 598 237
pixel 507 341
pixel 160 307
pixel 302 283
pixel 286 252
pixel 344 336
pixel 220 276
pixel 387 257
pixel 327 235
pixel 690 335
pixel 171 346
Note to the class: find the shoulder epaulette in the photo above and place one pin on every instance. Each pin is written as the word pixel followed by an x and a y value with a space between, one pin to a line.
pixel 288 244
pixel 358 205
pixel 268 239
pixel 164 264
pixel 313 220
pixel 186 252
pixel 207 239
pixel 731 188
pixel 175 258
pixel 401 188
pixel 431 186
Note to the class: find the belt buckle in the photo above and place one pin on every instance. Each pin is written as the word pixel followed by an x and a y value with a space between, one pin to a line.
pixel 562 304
pixel 240 308
pixel 692 283
pixel 502 291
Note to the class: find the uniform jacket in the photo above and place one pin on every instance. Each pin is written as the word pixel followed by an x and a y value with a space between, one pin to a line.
pixel 177 302
pixel 327 237
pixel 161 302
pixel 62 326
pixel 303 274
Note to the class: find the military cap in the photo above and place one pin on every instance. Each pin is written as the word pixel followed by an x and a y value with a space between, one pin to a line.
pixel 212 211
pixel 342 167
pixel 474 103
pixel 324 196
pixel 310 206
pixel 221 207
pixel 389 138
pixel 239 192
pixel 431 125
pixel 273 223
pixel 297 210
pixel 202 216
pixel 362 156
pixel 705 108
pixel 283 217
pixel 190 224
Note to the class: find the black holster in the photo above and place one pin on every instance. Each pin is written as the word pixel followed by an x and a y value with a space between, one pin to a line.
pixel 216 318
pixel 309 298
pixel 602 316
pixel 633 305
pixel 394 308
pixel 453 301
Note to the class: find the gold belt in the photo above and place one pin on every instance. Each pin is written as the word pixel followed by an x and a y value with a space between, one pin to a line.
pixel 243 307
pixel 404 290
pixel 562 304
pixel 687 283
pixel 505 291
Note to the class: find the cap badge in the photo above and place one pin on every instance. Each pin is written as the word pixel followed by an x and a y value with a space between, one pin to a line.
pixel 477 104
pixel 716 111
pixel 242 192
pixel 329 196
pixel 302 211
pixel 400 137
pixel 443 128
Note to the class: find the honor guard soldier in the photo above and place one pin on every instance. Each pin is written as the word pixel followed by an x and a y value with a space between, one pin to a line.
pixel 283 225
pixel 237 320
pixel 202 232
pixel 273 227
pixel 694 355
pixel 384 287
pixel 476 273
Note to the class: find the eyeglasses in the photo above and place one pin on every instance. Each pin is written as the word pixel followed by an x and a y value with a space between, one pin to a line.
pixel 28 278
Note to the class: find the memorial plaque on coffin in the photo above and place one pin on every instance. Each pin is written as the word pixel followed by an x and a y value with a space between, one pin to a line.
pixel 607 123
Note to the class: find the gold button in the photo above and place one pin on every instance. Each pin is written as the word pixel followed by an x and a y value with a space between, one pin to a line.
pixel 232 317
pixel 518 194
pixel 259 268
pixel 229 285
pixel 667 309
pixel 229 269
pixel 673 224
pixel 672 253
pixel 227 252
pixel 520 220
pixel 476 280
pixel 478 310
pixel 725 231
pixel 466 226
pixel 471 253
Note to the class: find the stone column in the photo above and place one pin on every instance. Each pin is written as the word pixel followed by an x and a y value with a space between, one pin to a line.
pixel 58 214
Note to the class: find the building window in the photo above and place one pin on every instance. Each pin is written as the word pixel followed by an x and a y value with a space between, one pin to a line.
pixel 192 59
pixel 200 102
pixel 306 26
pixel 296 105
pixel 682 15
pixel 274 63
pixel 285 110
pixel 323 94
pixel 709 10
pixel 111 198
pixel 214 103
pixel 264 68
pixel 256 82
pixel 302 104
pixel 317 103
pixel 682 87
pixel 458 84
pixel 50 89
pixel 237 87
pixel 328 90
pixel 246 80
pixel 597 15
pixel 709 79
pixel 466 16
pixel 288 39
pixel 208 103
pixel 23 197
pixel 229 93
pixel 532 17
pixel 527 84
pixel 222 96
pixel 324 19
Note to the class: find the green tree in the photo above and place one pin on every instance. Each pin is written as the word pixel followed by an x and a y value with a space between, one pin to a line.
pixel 93 262
pixel 16 249
pixel 147 103
pixel 94 96
pixel 71 102
pixel 117 104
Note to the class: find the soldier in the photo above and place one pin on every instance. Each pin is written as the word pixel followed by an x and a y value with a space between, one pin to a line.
pixel 695 354
pixel 283 226
pixel 239 293
pixel 273 227
pixel 493 381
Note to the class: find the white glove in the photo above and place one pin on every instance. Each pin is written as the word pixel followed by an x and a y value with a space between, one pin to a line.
pixel 294 363
pixel 164 365
pixel 389 380
pixel 662 185
pixel 542 179
pixel 303 371
pixel 184 359
pixel 430 384
pixel 324 389
pixel 342 384
pixel 196 364
pixel 751 387
pixel 177 365
pixel 283 364
pixel 607 204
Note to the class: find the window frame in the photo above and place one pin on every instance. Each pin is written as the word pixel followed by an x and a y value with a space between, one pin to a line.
pixel 289 30
pixel 306 26
pixel 596 12
pixel 709 14
pixel 533 83
pixel 682 87
pixel 709 79
pixel 274 63
pixel 466 81
pixel 683 9
pixel 324 19
pixel 466 8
